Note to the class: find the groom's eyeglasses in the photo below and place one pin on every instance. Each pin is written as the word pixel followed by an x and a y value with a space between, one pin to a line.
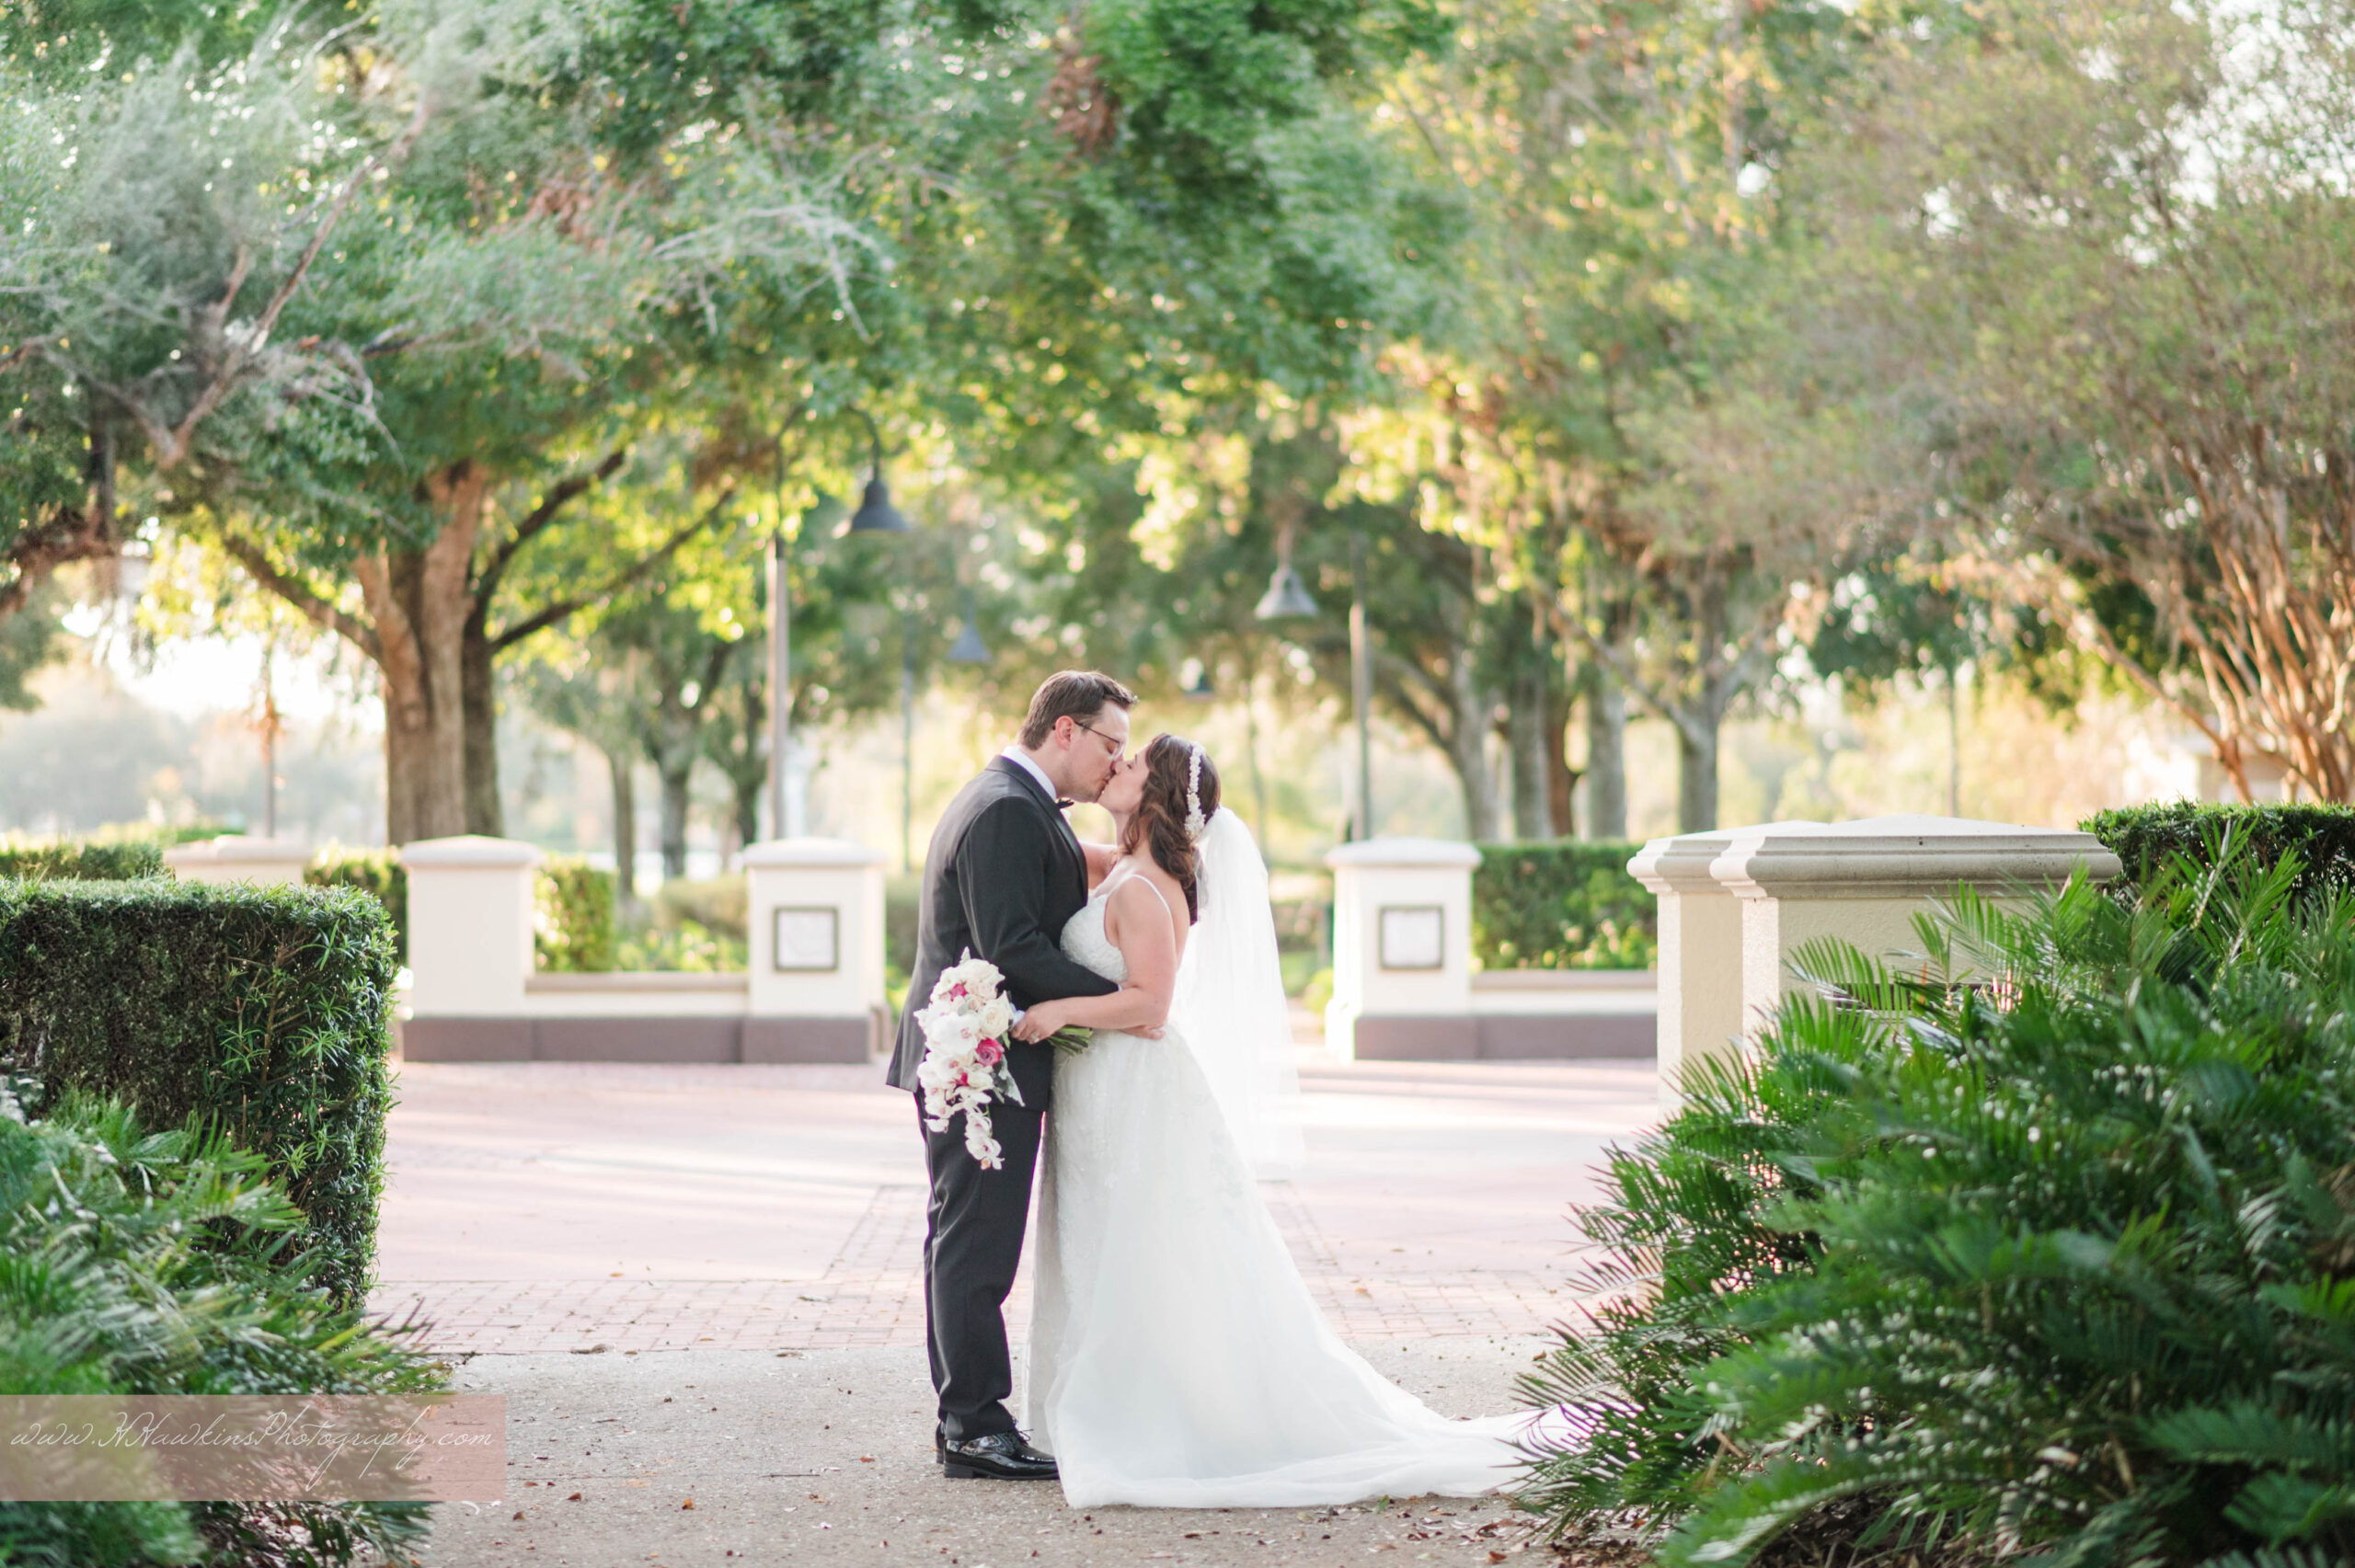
pixel 1117 745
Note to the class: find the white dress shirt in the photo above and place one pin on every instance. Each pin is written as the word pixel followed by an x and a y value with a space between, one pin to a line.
pixel 1021 759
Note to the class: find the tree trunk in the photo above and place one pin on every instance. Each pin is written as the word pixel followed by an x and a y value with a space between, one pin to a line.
pixel 1696 776
pixel 419 601
pixel 676 771
pixel 1468 750
pixel 1700 723
pixel 1606 755
pixel 747 770
pixel 483 813
pixel 1532 793
pixel 424 767
pixel 748 812
pixel 1561 779
pixel 619 768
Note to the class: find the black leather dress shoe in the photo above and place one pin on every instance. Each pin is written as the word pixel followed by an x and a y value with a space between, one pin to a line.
pixel 1001 1456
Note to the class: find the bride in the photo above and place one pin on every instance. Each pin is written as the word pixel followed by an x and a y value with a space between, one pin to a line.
pixel 1176 1358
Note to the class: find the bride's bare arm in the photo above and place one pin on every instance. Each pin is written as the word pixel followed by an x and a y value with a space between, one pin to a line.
pixel 1139 925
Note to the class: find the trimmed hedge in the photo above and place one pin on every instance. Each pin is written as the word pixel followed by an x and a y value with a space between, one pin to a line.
pixel 1565 904
pixel 375 872
pixel 266 1011
pixel 2144 837
pixel 574 932
pixel 74 861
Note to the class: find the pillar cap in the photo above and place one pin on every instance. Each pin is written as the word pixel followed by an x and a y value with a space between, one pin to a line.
pixel 1680 865
pixel 778 853
pixel 1904 856
pixel 240 850
pixel 471 852
pixel 1404 851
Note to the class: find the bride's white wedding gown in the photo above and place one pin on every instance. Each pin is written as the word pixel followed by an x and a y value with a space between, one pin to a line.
pixel 1176 1358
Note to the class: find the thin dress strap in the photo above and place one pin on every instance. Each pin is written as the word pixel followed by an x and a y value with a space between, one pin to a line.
pixel 1141 877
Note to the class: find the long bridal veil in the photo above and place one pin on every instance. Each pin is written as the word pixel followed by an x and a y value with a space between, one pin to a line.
pixel 1229 1003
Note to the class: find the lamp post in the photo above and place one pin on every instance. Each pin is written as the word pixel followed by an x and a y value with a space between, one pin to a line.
pixel 270 721
pixel 1361 685
pixel 1286 598
pixel 967 649
pixel 907 739
pixel 876 514
pixel 780 566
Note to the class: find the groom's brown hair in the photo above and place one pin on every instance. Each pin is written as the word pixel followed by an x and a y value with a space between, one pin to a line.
pixel 1078 695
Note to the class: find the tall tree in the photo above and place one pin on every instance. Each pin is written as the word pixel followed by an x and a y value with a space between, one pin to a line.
pixel 175 180
pixel 2129 334
pixel 1616 164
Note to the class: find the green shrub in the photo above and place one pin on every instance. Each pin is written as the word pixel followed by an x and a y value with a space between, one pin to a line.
pixel 903 904
pixel 1568 904
pixel 154 1262
pixel 687 948
pixel 2322 837
pixel 376 872
pixel 71 861
pixel 574 930
pixel 2057 1257
pixel 267 1010
pixel 717 904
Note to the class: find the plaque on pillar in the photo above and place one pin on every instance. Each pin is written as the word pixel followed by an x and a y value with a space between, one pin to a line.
pixel 807 939
pixel 1413 936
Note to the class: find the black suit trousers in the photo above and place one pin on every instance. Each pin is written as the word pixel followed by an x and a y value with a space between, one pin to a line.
pixel 972 1244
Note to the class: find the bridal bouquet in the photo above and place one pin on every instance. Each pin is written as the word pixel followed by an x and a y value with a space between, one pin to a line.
pixel 965 1029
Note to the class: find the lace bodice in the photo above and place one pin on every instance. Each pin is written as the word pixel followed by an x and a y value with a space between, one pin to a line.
pixel 1083 939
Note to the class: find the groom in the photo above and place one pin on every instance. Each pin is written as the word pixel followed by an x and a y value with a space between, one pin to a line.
pixel 1003 873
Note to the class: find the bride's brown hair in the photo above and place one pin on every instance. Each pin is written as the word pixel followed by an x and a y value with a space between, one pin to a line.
pixel 1160 819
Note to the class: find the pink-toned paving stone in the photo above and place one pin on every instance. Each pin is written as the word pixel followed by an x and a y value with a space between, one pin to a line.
pixel 609 1207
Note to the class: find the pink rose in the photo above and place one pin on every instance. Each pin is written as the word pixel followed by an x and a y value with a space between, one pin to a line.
pixel 957 990
pixel 990 1052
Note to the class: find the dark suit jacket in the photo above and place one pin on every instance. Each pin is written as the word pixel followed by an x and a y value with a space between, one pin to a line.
pixel 1002 876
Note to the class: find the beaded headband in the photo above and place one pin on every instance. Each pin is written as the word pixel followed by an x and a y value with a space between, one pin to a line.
pixel 1195 821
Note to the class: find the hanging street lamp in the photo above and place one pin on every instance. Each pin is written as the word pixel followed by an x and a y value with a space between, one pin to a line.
pixel 1287 597
pixel 969 648
pixel 875 513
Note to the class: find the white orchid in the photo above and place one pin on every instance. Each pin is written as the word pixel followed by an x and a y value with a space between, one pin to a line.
pixel 965 1025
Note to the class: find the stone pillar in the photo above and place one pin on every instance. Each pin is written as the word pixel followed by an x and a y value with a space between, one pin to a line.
pixel 1402 952
pixel 1864 882
pixel 470 906
pixel 1701 995
pixel 234 857
pixel 815 909
pixel 1700 954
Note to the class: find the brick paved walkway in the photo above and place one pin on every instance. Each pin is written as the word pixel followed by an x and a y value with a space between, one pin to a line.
pixel 871 1296
pixel 770 1209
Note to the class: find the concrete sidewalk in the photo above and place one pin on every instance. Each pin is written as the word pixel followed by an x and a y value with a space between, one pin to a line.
pixel 825 1458
pixel 593 1239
